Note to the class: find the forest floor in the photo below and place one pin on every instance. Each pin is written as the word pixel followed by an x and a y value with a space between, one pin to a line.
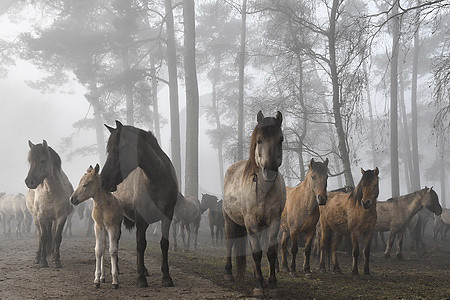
pixel 200 275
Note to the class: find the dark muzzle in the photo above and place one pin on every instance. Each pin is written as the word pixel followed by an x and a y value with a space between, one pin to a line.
pixel 322 200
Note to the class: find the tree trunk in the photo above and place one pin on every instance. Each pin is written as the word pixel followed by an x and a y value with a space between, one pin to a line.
pixel 156 126
pixel 218 125
pixel 395 182
pixel 192 100
pixel 342 144
pixel 442 173
pixel 415 145
pixel 406 157
pixel 98 121
pixel 371 123
pixel 128 89
pixel 175 143
pixel 240 147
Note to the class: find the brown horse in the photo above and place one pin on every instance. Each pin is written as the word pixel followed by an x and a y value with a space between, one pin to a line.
pixel 254 198
pixel 187 212
pixel 47 200
pixel 395 214
pixel 149 190
pixel 353 213
pixel 108 215
pixel 301 213
pixel 215 217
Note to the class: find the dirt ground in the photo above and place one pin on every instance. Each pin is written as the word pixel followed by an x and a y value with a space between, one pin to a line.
pixel 199 275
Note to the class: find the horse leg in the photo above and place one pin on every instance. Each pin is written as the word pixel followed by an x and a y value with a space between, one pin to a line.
pixel 99 253
pixel 188 244
pixel 9 225
pixel 284 245
pixel 294 250
pixel 230 232
pixel 355 253
pixel 309 237
pixel 141 245
pixel 174 234
pixel 57 241
pixel 183 235
pixel 387 252
pixel 114 236
pixel 399 245
pixel 272 253
pixel 165 227
pixel 197 225
pixel 211 228
pixel 336 240
pixel 45 236
pixel 324 245
pixel 37 259
pixel 367 240
pixel 257 256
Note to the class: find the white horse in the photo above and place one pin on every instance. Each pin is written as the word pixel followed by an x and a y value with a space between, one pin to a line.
pixel 108 215
pixel 14 207
pixel 48 200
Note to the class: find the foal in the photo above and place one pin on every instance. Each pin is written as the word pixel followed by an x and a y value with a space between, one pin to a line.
pixel 107 214
pixel 352 213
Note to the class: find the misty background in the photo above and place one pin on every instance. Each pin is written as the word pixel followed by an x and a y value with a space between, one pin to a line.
pixel 68 67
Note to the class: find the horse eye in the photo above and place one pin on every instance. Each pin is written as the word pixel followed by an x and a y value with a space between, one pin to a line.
pixel 259 141
pixel 313 177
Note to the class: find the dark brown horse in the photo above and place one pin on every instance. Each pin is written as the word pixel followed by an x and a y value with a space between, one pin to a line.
pixel 353 213
pixel 301 213
pixel 215 217
pixel 151 189
pixel 254 198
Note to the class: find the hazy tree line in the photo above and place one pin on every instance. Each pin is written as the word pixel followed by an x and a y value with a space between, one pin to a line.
pixel 322 63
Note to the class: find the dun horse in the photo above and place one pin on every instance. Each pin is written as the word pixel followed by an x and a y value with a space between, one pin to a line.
pixel 395 214
pixel 47 200
pixel 254 198
pixel 352 213
pixel 187 211
pixel 301 213
pixel 215 217
pixel 108 215
pixel 14 207
pixel 149 192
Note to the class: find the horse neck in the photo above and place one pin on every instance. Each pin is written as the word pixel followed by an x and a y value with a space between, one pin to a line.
pixel 154 164
pixel 100 197
pixel 307 189
pixel 56 180
pixel 413 203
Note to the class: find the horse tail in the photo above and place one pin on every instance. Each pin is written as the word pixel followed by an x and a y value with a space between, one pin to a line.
pixel 128 223
pixel 240 249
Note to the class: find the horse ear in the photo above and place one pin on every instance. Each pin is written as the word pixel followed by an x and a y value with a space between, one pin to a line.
pixel 30 144
pixel 89 169
pixel 362 171
pixel 279 117
pixel 377 171
pixel 430 189
pixel 326 161
pixel 110 129
pixel 118 125
pixel 259 116
pixel 97 168
pixel 44 143
pixel 311 163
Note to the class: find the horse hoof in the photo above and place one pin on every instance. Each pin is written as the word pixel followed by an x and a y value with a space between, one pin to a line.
pixel 96 285
pixel 142 283
pixel 322 271
pixel 367 273
pixel 36 261
pixel 293 274
pixel 102 280
pixel 115 286
pixel 229 277
pixel 58 265
pixel 43 264
pixel 167 282
pixel 387 255
pixel 285 269
pixel 355 274
pixel 308 275
pixel 146 273
pixel 399 256
pixel 258 292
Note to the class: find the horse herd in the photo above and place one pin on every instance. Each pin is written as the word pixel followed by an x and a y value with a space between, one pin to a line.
pixel 138 186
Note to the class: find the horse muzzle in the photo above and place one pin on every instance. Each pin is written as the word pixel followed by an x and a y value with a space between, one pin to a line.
pixel 269 175
pixel 322 200
pixel 367 204
pixel 31 183
pixel 74 200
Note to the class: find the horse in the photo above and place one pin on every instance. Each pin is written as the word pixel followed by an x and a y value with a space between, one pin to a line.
pixel 187 211
pixel 149 188
pixel 14 207
pixel 68 226
pixel 441 224
pixel 108 215
pixel 301 214
pixel 215 217
pixel 395 214
pixel 254 198
pixel 48 200
pixel 353 213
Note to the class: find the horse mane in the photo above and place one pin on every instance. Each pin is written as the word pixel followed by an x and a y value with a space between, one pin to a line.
pixel 357 193
pixel 266 127
pixel 37 150
pixel 141 135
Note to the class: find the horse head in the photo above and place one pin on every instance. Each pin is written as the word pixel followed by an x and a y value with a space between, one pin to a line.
pixel 318 176
pixel 121 160
pixel 430 200
pixel 266 146
pixel 88 187
pixel 209 201
pixel 44 161
pixel 367 190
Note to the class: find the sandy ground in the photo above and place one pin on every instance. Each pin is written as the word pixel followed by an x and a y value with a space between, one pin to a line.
pixel 20 279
